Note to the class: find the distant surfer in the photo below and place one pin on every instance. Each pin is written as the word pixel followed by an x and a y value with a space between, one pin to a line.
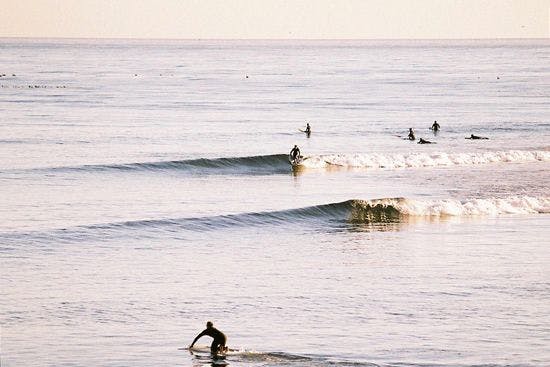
pixel 435 127
pixel 422 141
pixel 411 134
pixel 308 129
pixel 295 153
pixel 218 344
pixel 475 137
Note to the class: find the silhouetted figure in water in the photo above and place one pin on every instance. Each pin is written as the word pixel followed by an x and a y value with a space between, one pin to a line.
pixel 218 344
pixel 411 134
pixel 435 127
pixel 295 153
pixel 308 129
pixel 422 141
pixel 475 137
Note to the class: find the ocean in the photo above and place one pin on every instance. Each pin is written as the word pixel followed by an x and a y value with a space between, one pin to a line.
pixel 145 189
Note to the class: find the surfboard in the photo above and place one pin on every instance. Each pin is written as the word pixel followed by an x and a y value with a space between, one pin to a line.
pixel 296 162
pixel 403 137
pixel 203 351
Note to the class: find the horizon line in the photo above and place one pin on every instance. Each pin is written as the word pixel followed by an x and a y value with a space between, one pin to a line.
pixel 273 39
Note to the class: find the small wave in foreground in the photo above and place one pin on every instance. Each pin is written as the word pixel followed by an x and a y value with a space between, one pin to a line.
pixel 253 358
pixel 377 215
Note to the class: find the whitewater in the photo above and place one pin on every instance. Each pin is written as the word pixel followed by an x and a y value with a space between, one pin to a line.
pixel 414 160
pixel 145 189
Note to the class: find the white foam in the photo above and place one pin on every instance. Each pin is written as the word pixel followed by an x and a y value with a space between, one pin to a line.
pixel 472 207
pixel 414 160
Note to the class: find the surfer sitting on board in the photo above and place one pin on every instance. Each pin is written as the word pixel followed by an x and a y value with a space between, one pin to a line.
pixel 295 153
pixel 411 134
pixel 218 344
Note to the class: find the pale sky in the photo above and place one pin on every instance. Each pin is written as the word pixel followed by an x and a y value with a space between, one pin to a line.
pixel 276 19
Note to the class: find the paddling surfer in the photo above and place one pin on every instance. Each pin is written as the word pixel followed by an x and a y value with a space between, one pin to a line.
pixel 475 137
pixel 218 344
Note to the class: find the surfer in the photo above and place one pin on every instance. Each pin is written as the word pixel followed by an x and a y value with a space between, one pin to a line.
pixel 475 137
pixel 422 141
pixel 218 344
pixel 308 129
pixel 411 134
pixel 435 127
pixel 295 153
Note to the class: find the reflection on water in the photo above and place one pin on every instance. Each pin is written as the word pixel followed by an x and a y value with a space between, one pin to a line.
pixel 379 218
pixel 376 226
pixel 297 170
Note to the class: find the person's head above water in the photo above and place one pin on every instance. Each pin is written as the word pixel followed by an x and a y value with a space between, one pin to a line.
pixel 295 146
pixel 209 324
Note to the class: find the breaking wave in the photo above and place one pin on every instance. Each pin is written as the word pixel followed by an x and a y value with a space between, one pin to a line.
pixel 278 163
pixel 379 214
pixel 453 207
pixel 415 160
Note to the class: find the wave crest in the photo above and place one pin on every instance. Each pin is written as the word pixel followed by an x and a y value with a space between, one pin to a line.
pixel 377 214
pixel 415 160
pixel 263 164
pixel 453 207
pixel 278 163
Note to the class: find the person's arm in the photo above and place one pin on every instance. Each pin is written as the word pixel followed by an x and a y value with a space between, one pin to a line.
pixel 197 338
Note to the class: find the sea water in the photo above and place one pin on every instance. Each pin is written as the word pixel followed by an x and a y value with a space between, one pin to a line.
pixel 145 189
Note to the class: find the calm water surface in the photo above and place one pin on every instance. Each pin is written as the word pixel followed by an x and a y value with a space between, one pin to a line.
pixel 145 189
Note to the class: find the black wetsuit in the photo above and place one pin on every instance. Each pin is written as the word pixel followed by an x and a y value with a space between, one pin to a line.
pixel 411 135
pixel 295 153
pixel 219 339
pixel 475 137
pixel 435 126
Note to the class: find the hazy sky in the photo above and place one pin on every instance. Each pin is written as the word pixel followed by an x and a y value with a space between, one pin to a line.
pixel 276 18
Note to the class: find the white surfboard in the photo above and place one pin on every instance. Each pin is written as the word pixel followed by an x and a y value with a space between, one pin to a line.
pixel 296 161
pixel 205 350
